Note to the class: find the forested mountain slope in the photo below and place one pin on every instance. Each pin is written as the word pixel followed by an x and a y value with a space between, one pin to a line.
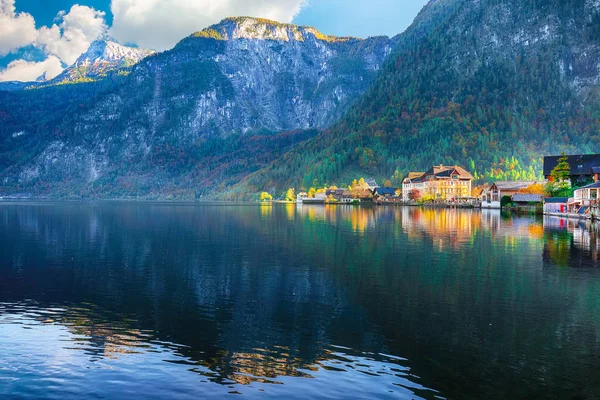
pixel 223 103
pixel 492 85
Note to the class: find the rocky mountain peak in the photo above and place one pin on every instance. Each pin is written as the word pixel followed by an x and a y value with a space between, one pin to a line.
pixel 263 29
pixel 107 51
pixel 42 77
pixel 102 57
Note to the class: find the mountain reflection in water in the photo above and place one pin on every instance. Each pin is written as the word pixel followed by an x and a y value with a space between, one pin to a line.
pixel 159 300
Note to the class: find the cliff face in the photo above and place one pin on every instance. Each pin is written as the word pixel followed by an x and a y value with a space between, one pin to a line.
pixel 493 85
pixel 187 119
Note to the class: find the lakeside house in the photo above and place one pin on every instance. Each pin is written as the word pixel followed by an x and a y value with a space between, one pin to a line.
pixel 303 198
pixel 585 200
pixel 371 184
pixel 555 205
pixel 348 196
pixel 528 203
pixel 492 196
pixel 526 199
pixel 387 195
pixel 440 182
pixel 412 182
pixel 584 167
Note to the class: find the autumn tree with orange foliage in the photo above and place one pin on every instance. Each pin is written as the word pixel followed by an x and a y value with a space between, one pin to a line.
pixel 536 188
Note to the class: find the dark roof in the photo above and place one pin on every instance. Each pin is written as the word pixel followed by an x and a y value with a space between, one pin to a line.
pixel 556 200
pixel 596 170
pixel 527 198
pixel 580 164
pixel 385 191
pixel 595 185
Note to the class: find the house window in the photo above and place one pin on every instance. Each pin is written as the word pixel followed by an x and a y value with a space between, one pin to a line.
pixel 454 177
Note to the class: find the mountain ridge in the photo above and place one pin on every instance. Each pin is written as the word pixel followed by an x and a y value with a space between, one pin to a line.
pixel 184 121
pixel 245 27
pixel 101 57
pixel 491 85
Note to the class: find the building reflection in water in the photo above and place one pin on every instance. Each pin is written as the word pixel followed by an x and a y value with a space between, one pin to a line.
pixel 447 228
pixel 571 242
pixel 244 295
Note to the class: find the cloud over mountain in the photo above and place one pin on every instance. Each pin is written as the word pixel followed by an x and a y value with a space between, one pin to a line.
pixel 160 24
pixel 154 24
pixel 62 42
pixel 77 29
pixel 21 70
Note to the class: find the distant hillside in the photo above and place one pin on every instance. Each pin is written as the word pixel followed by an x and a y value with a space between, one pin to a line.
pixel 225 102
pixel 492 85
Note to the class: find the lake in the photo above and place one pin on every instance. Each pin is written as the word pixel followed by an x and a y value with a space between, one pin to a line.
pixel 149 300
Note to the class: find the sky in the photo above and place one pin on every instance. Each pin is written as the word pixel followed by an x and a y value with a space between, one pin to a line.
pixel 45 36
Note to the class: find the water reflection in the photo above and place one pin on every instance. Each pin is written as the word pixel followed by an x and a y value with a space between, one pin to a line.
pixel 61 343
pixel 571 242
pixel 295 302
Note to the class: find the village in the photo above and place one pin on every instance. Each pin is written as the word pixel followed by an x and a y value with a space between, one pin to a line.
pixel 570 188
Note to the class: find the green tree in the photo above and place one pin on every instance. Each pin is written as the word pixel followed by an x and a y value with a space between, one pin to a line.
pixel 562 171
pixel 559 184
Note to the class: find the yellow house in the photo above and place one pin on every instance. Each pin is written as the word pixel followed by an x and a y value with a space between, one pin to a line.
pixel 442 182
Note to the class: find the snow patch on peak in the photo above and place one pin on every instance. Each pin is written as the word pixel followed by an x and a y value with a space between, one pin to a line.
pixel 102 50
pixel 102 57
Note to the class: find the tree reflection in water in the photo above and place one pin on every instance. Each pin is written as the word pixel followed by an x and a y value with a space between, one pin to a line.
pixel 266 295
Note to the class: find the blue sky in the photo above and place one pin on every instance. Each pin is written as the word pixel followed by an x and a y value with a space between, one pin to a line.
pixel 47 35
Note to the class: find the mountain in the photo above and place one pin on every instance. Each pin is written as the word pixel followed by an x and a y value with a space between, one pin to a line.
pixel 492 85
pixel 225 102
pixel 42 78
pixel 101 57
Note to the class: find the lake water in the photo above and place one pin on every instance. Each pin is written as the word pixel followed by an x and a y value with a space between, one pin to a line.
pixel 143 301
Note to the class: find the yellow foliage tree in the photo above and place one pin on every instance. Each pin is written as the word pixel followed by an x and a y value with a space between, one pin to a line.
pixel 290 195
pixel 536 188
pixel 264 196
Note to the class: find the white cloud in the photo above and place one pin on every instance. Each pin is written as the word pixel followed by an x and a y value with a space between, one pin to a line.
pixel 77 30
pixel 159 24
pixel 155 24
pixel 21 70
pixel 16 30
